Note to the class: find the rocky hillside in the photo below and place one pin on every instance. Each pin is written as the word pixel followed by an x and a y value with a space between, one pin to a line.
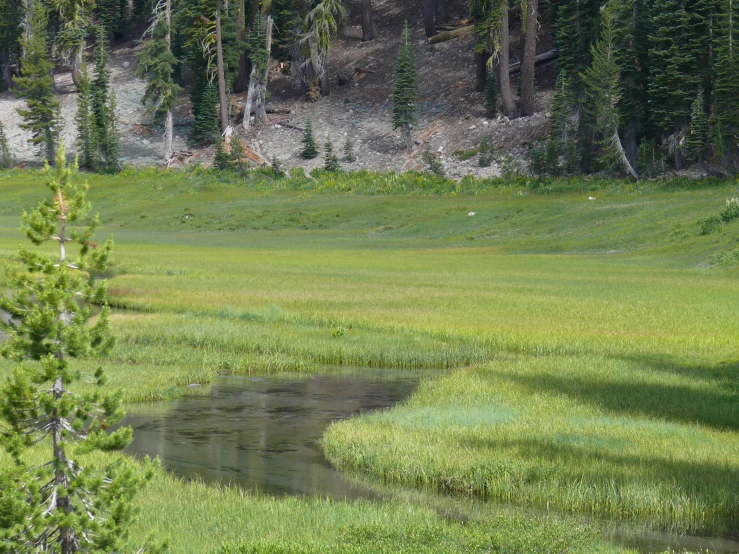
pixel 451 116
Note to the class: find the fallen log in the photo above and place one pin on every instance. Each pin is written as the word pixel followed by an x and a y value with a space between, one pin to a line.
pixel 449 35
pixel 279 111
pixel 540 58
pixel 290 126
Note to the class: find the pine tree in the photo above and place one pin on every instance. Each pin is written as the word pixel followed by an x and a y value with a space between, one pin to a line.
pixel 349 155
pixel 563 127
pixel 490 95
pixel 276 167
pixel 11 18
pixel 87 153
pixel 6 158
pixel 675 73
pixel 577 29
pixel 646 159
pixel 157 64
pixel 104 118
pixel 330 160
pixel 205 129
pixel 602 89
pixel 485 153
pixel 405 92
pixel 310 150
pixel 58 505
pixel 42 116
pixel 222 160
pixel 432 162
pixel 725 116
pixel 697 140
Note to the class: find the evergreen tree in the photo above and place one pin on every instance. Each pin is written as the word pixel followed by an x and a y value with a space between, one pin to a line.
pixel 602 89
pixel 87 153
pixel 276 167
pixel 222 159
pixel 11 17
pixel 697 140
pixel 310 150
pixel 577 29
pixel 6 158
pixel 103 115
pixel 330 160
pixel 113 16
pixel 205 129
pixel 485 153
pixel 432 162
pixel 563 127
pixel 725 116
pixel 405 92
pixel 42 115
pixel 157 65
pixel 646 159
pixel 349 155
pixel 675 73
pixel 58 505
pixel 490 95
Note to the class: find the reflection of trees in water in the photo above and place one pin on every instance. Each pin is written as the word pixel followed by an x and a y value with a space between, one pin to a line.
pixel 264 432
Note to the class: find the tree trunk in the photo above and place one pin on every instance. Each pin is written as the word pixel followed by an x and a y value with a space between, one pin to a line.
pixel 260 113
pixel 221 73
pixel 76 64
pixel 622 154
pixel 242 75
pixel 630 139
pixel 5 64
pixel 528 102
pixel 168 122
pixel 429 25
pixel 504 78
pixel 325 82
pixel 368 23
pixel 481 71
pixel 442 12
pixel 407 138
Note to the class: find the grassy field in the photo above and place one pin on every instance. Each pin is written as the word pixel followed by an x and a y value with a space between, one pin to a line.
pixel 592 343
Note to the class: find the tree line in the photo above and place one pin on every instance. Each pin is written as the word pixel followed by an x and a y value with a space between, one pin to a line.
pixel 643 85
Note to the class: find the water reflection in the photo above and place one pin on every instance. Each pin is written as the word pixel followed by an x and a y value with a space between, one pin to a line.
pixel 262 433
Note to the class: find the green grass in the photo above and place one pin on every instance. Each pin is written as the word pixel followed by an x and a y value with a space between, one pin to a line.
pixel 592 343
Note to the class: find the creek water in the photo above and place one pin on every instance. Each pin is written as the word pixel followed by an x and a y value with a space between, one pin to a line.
pixel 262 432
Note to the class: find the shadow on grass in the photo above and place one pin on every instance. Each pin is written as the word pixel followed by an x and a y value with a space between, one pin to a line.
pixel 717 408
pixel 696 498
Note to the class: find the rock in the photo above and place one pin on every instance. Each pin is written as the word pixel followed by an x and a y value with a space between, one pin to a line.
pixel 278 126
pixel 146 142
pixel 471 214
pixel 548 115
pixel 418 142
pixel 485 122
pixel 472 127
pixel 126 64
pixel 591 197
pixel 440 149
pixel 505 119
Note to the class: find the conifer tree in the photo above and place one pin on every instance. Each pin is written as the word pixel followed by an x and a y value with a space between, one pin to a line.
pixel 330 160
pixel 11 17
pixel 433 163
pixel 42 115
pixel 104 118
pixel 6 158
pixel 310 150
pixel 725 116
pixel 222 160
pixel 697 140
pixel 349 155
pixel 87 152
pixel 675 74
pixel 205 128
pixel 577 28
pixel 563 127
pixel 485 153
pixel 490 94
pixel 60 506
pixel 602 90
pixel 157 65
pixel 405 92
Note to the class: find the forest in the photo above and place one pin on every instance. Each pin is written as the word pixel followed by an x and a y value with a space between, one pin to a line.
pixel 643 87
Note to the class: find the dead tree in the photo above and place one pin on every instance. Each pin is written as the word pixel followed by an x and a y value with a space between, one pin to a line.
pixel 368 23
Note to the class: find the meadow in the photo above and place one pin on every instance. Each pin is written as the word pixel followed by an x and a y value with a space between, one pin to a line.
pixel 590 345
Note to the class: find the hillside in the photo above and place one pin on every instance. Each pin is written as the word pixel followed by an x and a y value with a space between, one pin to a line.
pixel 450 111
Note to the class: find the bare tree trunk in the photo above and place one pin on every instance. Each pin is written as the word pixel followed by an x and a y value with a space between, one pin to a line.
pixel 221 73
pixel 481 70
pixel 528 102
pixel 76 64
pixel 168 122
pixel 257 94
pixel 325 82
pixel 368 23
pixel 429 25
pixel 622 154
pixel 5 63
pixel 630 139
pixel 407 138
pixel 504 78
pixel 442 12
